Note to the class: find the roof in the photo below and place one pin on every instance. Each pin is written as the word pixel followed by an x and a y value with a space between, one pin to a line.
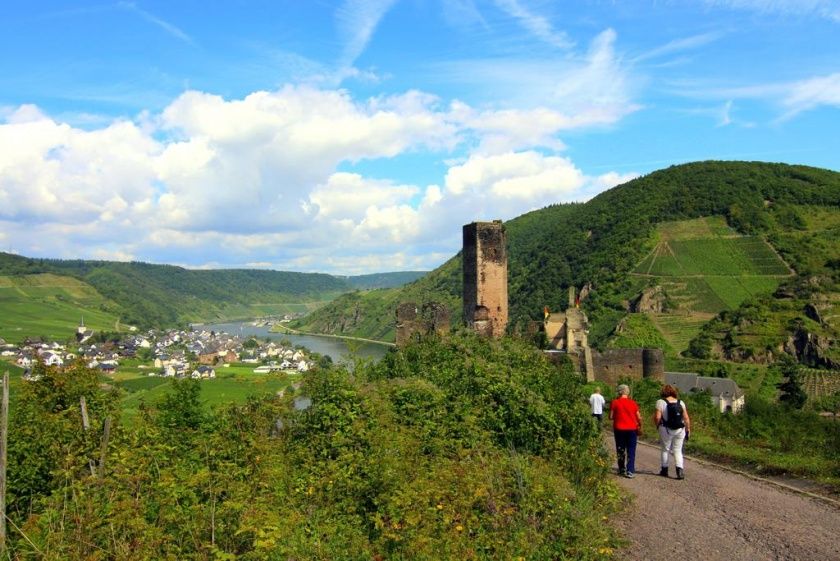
pixel 683 381
pixel 718 387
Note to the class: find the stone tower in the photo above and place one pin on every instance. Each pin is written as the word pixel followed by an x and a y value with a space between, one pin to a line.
pixel 485 278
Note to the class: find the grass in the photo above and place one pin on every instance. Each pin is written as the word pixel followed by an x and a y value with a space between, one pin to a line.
pixel 51 306
pixel 233 384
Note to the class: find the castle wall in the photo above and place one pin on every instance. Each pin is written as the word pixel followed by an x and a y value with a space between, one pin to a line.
pixel 485 277
pixel 613 364
pixel 406 328
pixel 412 322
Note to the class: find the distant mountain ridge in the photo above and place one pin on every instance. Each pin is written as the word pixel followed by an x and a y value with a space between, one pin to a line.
pixel 602 241
pixel 145 294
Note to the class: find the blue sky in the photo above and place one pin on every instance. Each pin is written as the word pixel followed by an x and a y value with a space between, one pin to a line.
pixel 359 135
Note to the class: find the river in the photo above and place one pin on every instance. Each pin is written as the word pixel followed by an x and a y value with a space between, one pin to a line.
pixel 337 349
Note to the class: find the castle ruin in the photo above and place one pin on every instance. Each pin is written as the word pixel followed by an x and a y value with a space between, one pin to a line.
pixel 567 332
pixel 414 322
pixel 485 278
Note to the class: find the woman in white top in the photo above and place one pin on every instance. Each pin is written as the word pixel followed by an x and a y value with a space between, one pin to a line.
pixel 671 417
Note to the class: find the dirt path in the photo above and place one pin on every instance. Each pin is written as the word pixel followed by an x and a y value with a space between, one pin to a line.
pixel 715 515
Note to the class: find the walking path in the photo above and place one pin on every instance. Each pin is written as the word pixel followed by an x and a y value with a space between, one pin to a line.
pixel 718 515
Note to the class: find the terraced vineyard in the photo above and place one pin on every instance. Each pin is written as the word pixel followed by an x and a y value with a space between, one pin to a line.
pixel 705 267
pixel 678 329
pixel 820 383
pixel 52 306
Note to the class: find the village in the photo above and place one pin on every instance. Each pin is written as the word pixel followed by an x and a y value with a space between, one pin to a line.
pixel 175 353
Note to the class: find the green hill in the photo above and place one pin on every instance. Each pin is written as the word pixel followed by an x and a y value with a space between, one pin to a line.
pixel 51 306
pixel 606 239
pixel 147 295
pixel 384 280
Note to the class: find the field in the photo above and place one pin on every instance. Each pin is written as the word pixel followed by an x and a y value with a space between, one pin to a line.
pixel 233 384
pixel 705 267
pixel 51 306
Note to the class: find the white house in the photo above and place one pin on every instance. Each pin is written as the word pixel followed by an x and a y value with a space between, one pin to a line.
pixel 725 393
pixel 52 359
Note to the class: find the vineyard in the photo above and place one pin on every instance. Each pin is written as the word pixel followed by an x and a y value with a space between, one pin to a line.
pixel 51 306
pixel 705 267
pixel 820 383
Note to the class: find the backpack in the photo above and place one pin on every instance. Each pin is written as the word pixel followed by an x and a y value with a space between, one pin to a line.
pixel 673 418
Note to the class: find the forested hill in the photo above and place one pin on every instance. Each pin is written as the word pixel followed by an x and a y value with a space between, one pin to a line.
pixel 600 241
pixel 384 280
pixel 164 295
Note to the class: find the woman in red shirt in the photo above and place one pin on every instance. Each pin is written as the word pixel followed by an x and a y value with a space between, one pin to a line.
pixel 627 423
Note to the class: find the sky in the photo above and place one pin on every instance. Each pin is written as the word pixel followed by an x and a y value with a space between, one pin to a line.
pixel 358 136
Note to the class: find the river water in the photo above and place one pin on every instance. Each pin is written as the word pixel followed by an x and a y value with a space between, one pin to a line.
pixel 337 349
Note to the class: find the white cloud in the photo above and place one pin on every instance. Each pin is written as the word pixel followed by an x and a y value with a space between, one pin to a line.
pixel 112 255
pixel 357 21
pixel 589 89
pixel 610 180
pixel 50 171
pixel 540 26
pixel 679 45
pixel 811 93
pixel 349 195
pixel 829 9
pixel 256 180
pixel 525 176
pixel 170 28
pixel 792 97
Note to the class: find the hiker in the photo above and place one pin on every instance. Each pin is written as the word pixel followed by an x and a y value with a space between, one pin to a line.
pixel 627 425
pixel 674 425
pixel 597 401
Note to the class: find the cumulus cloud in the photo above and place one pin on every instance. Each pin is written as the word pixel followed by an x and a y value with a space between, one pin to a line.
pixel 527 176
pixel 259 179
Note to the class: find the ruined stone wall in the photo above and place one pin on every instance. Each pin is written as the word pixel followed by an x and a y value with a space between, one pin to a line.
pixel 406 329
pixel 413 322
pixel 614 364
pixel 485 277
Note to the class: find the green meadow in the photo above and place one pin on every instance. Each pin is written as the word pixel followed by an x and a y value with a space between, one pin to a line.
pixel 51 306
pixel 233 384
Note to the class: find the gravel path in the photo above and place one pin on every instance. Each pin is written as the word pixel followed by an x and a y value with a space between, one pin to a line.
pixel 717 515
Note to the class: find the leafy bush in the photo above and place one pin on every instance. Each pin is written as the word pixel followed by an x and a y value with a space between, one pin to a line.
pixel 451 449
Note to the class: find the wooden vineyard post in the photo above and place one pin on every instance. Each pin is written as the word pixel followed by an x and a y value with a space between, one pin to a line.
pixel 4 439
pixel 86 426
pixel 106 435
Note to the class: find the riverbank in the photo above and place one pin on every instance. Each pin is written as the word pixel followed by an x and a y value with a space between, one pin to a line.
pixel 279 328
pixel 337 348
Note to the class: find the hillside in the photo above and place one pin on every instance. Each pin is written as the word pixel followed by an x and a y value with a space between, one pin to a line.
pixel 51 306
pixel 384 280
pixel 50 296
pixel 161 295
pixel 604 240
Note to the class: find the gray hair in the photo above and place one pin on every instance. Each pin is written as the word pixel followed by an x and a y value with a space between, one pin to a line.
pixel 623 389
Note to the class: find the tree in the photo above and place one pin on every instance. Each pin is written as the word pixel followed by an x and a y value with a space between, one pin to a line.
pixel 791 390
